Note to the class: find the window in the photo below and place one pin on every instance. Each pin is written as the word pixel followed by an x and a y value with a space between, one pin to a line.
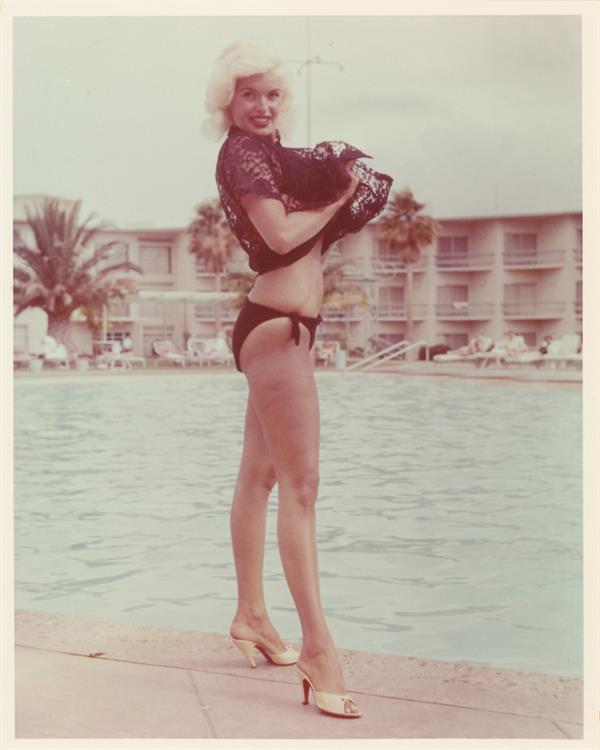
pixel 119 308
pixel 204 310
pixel 580 238
pixel 452 293
pixel 579 290
pixel 200 264
pixel 520 248
pixel 118 253
pixel 520 242
pixel 520 293
pixel 155 258
pixel 453 246
pixel 391 295
pixel 149 309
pixel 383 248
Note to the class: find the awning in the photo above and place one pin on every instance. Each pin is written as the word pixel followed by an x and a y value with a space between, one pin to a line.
pixel 189 295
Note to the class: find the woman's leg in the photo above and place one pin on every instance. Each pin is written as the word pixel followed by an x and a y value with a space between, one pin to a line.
pixel 283 392
pixel 255 481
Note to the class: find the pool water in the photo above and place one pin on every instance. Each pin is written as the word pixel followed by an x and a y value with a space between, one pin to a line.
pixel 449 518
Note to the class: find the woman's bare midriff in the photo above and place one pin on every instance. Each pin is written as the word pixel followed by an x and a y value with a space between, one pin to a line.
pixel 295 288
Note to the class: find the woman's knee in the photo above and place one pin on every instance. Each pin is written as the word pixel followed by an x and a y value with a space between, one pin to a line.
pixel 302 489
pixel 261 480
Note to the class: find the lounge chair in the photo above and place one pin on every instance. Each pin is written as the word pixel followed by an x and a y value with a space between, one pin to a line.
pixel 564 351
pixel 217 352
pixel 326 351
pixel 54 353
pixel 21 359
pixel 166 351
pixel 195 352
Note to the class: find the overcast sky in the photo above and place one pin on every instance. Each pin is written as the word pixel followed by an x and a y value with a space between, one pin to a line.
pixel 478 115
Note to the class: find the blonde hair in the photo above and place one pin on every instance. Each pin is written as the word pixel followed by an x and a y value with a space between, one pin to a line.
pixel 242 59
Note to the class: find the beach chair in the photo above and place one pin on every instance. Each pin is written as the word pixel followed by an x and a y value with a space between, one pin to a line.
pixel 564 352
pixel 195 352
pixel 54 353
pixel 166 351
pixel 325 352
pixel 217 352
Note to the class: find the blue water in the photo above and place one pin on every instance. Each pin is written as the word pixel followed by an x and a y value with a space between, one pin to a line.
pixel 449 517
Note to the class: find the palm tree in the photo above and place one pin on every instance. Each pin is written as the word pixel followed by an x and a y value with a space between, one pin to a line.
pixel 213 241
pixel 407 234
pixel 59 273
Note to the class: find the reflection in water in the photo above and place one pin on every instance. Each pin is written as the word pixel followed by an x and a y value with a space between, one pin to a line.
pixel 449 515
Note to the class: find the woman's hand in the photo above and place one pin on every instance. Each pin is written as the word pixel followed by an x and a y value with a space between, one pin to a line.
pixel 351 189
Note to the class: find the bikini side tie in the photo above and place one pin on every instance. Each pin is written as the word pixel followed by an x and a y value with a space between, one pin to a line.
pixel 297 319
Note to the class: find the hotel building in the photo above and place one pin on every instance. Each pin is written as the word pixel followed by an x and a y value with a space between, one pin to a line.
pixel 482 275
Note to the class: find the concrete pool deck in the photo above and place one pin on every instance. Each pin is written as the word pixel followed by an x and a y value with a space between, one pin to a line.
pixel 519 373
pixel 86 678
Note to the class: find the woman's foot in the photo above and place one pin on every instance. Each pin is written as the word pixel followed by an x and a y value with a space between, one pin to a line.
pixel 322 665
pixel 256 627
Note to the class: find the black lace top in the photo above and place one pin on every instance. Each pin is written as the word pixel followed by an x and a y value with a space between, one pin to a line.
pixel 302 179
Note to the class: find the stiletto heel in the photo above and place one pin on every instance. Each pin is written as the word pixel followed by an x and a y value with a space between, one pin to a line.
pixel 306 687
pixel 246 647
pixel 330 703
pixel 284 659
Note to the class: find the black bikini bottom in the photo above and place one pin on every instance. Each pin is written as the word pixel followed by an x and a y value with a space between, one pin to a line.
pixel 252 314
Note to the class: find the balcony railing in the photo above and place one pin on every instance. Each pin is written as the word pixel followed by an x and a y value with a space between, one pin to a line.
pixel 234 266
pixel 205 311
pixel 331 312
pixel 119 310
pixel 397 311
pixel 548 310
pixel 534 258
pixel 578 307
pixel 465 309
pixel 393 264
pixel 464 260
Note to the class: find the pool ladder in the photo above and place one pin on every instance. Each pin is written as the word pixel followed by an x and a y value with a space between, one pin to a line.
pixel 398 349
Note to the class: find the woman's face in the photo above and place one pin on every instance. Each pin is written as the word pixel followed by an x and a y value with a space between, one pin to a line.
pixel 256 103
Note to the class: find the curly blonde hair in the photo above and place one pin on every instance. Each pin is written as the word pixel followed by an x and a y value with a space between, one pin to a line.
pixel 241 59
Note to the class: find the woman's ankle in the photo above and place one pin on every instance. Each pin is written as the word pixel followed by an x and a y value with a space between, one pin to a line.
pixel 251 613
pixel 318 648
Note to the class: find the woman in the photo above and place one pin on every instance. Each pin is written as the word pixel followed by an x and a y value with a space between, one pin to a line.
pixel 286 207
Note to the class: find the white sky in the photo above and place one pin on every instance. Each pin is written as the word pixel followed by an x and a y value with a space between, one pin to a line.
pixel 478 115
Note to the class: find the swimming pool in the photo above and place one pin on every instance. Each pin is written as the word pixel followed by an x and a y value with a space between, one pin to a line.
pixel 449 516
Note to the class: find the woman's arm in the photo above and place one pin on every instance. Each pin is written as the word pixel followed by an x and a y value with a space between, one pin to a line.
pixel 282 231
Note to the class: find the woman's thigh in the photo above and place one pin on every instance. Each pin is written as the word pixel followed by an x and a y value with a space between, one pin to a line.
pixel 283 392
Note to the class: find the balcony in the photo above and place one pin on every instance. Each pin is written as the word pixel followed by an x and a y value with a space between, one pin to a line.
pixel 578 308
pixel 233 266
pixel 534 310
pixel 464 310
pixel 119 311
pixel 333 313
pixel 464 261
pixel 397 311
pixel 534 259
pixel 206 311
pixel 393 264
pixel 350 268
